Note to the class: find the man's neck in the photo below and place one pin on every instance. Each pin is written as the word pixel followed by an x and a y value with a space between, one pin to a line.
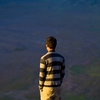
pixel 50 50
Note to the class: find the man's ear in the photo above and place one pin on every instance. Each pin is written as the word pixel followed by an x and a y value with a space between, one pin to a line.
pixel 46 45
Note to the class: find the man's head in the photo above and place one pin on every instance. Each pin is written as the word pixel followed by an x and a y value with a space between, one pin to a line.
pixel 51 42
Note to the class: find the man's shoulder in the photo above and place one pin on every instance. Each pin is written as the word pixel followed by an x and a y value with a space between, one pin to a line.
pixel 59 54
pixel 43 56
pixel 51 54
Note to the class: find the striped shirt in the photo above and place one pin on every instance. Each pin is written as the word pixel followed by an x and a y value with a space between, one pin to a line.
pixel 52 70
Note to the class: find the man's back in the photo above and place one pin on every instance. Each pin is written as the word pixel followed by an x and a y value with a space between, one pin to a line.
pixel 52 66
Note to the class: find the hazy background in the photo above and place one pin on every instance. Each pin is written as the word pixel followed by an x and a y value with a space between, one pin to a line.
pixel 24 25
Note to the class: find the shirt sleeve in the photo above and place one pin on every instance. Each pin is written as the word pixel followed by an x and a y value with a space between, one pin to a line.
pixel 42 73
pixel 63 70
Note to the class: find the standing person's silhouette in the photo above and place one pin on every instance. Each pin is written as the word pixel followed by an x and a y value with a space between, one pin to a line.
pixel 52 71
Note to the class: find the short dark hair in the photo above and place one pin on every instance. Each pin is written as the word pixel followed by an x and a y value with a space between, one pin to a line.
pixel 51 42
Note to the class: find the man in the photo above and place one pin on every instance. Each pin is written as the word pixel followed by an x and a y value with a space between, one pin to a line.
pixel 52 71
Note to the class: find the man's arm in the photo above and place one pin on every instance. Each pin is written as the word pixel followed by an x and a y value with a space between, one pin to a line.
pixel 63 70
pixel 42 73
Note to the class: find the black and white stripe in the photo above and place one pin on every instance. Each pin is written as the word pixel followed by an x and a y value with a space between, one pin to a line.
pixel 52 70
